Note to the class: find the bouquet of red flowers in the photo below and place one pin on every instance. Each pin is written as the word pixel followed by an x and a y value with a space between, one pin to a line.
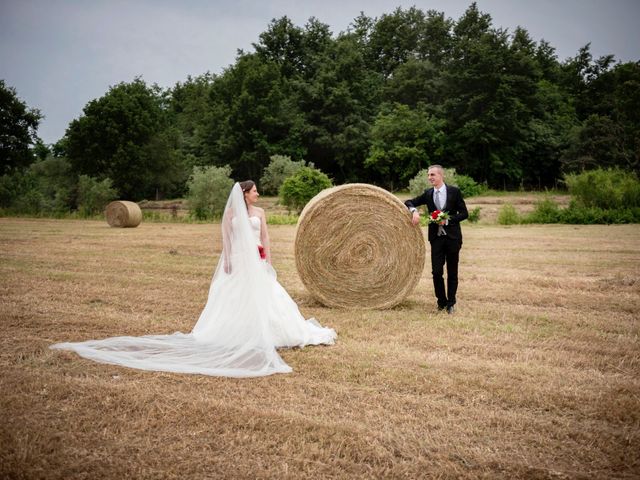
pixel 438 216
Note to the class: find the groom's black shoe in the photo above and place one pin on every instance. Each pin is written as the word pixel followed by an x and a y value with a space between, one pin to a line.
pixel 450 309
pixel 441 307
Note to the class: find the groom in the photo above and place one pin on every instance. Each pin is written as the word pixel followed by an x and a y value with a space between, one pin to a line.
pixel 446 241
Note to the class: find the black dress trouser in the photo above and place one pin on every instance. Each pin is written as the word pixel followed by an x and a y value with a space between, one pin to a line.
pixel 445 250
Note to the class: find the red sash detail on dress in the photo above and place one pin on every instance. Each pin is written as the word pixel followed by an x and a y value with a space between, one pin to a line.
pixel 261 251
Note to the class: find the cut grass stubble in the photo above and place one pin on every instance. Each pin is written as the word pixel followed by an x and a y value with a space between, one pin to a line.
pixel 536 375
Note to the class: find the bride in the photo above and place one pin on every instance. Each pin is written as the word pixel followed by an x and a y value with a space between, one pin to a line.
pixel 247 316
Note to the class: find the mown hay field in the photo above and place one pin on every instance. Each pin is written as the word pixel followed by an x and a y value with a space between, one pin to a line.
pixel 537 374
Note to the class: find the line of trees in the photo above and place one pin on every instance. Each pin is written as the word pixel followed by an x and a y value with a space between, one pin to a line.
pixel 377 103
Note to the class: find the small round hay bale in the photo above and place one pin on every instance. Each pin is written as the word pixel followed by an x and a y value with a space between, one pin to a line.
pixel 122 213
pixel 355 247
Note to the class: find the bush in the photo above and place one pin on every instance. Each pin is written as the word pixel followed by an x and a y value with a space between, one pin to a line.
pixel 56 183
pixel 279 169
pixel 13 186
pixel 545 211
pixel 45 187
pixel 30 202
pixel 605 188
pixel 474 215
pixel 305 184
pixel 601 196
pixel 508 215
pixel 467 185
pixel 94 195
pixel 208 191
pixel 579 215
pixel 419 183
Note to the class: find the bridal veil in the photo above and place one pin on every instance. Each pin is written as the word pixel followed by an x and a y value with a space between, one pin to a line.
pixel 232 337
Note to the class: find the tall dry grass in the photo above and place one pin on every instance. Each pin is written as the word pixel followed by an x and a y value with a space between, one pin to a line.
pixel 537 375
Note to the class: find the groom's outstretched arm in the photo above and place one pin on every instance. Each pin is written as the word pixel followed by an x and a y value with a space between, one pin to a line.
pixel 416 202
pixel 413 203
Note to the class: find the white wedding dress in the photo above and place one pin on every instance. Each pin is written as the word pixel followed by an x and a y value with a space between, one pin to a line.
pixel 247 316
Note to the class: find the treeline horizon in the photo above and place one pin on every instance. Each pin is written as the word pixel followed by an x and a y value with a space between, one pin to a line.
pixel 377 104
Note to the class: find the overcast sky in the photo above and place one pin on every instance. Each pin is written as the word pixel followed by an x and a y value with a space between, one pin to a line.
pixel 60 54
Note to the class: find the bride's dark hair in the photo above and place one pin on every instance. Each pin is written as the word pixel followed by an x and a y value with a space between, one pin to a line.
pixel 247 185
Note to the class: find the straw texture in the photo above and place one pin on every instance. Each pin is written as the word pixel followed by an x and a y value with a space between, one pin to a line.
pixel 355 247
pixel 122 213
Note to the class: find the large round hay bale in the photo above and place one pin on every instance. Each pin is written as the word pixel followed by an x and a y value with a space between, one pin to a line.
pixel 122 213
pixel 355 246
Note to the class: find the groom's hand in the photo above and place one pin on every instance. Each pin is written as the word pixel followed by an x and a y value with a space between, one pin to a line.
pixel 415 218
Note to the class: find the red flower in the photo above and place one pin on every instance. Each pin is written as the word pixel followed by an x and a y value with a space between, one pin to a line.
pixel 261 251
pixel 435 214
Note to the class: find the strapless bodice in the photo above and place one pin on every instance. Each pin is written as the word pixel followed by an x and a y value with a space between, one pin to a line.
pixel 255 228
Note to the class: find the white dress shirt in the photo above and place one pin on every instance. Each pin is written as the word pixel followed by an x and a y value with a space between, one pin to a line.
pixel 443 196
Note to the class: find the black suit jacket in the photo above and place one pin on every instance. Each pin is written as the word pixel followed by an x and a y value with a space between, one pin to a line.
pixel 455 207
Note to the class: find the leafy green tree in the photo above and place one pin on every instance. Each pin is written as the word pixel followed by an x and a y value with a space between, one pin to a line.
pixel 293 49
pixel 254 106
pixel 467 185
pixel 251 117
pixel 47 187
pixel 94 195
pixel 40 150
pixel 511 113
pixel 15 186
pixel 18 130
pixel 123 136
pixel 436 39
pixel 188 106
pixel 279 169
pixel 419 183
pixel 208 191
pixel 316 41
pixel 491 83
pixel 302 186
pixel 608 104
pixel 403 141
pixel 585 79
pixel 57 184
pixel 337 108
pixel 395 38
pixel 597 142
pixel 283 44
pixel 548 135
pixel 546 58
pixel 414 82
pixel 30 202
pixel 627 111
pixel 610 188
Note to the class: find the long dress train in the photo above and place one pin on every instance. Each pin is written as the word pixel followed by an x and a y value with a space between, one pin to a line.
pixel 248 315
